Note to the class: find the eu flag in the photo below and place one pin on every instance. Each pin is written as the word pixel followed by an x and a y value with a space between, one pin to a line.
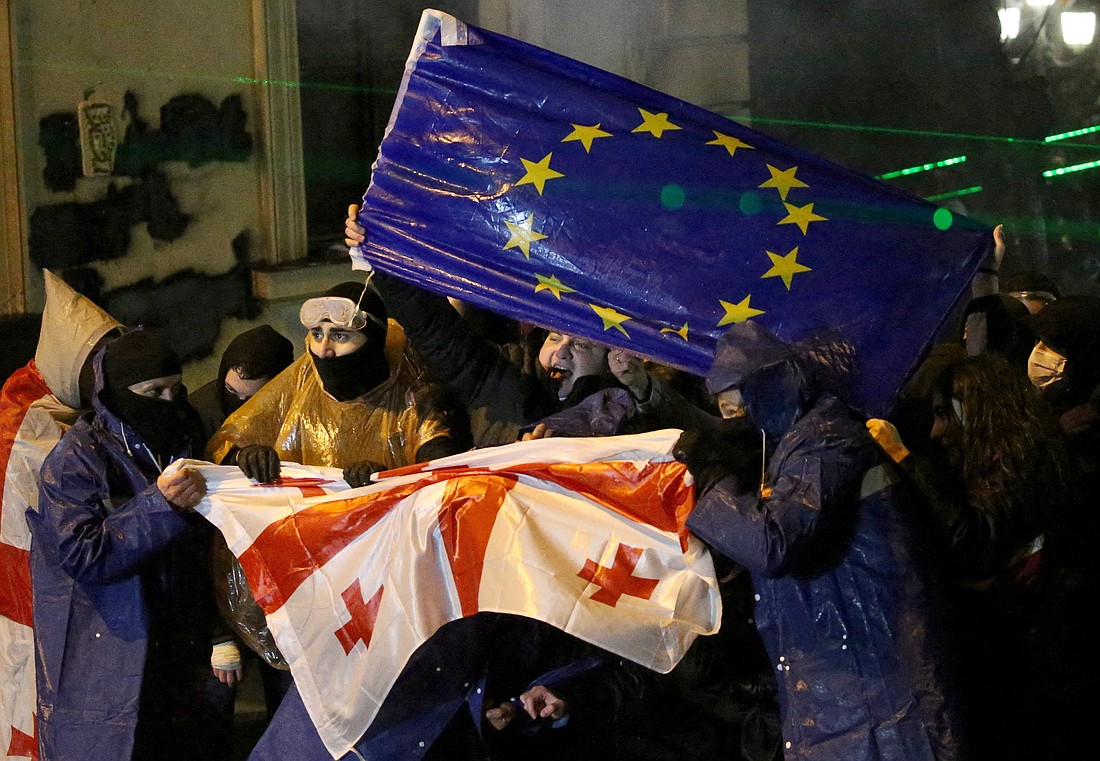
pixel 556 193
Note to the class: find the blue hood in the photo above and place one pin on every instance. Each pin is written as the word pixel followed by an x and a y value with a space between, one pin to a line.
pixel 777 386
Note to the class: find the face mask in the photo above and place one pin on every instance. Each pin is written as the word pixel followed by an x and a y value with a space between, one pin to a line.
pixel 349 376
pixel 166 426
pixel 1045 367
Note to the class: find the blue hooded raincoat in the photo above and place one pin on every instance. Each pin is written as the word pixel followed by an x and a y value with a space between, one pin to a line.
pixel 117 574
pixel 846 602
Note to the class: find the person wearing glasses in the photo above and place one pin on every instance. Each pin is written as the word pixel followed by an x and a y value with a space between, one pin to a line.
pixel 351 401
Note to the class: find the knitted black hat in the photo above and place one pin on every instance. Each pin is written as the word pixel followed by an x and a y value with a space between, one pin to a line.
pixel 138 356
pixel 261 352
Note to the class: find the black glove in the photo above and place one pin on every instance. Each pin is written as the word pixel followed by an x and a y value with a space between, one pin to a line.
pixel 259 462
pixel 358 473
pixel 728 448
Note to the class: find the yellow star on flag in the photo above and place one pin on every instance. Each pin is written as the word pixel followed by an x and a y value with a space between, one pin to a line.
pixel 586 135
pixel 738 312
pixel 611 318
pixel 783 180
pixel 728 142
pixel 522 236
pixel 552 284
pixel 654 123
pixel 801 216
pixel 538 173
pixel 682 331
pixel 785 266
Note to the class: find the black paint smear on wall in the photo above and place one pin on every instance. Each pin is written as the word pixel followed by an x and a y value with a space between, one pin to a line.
pixel 73 234
pixel 59 138
pixel 192 129
pixel 186 308
pixel 19 337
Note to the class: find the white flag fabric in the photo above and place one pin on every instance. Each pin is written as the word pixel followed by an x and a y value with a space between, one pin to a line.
pixel 584 534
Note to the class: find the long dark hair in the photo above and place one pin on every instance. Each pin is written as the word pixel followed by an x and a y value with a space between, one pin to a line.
pixel 1007 425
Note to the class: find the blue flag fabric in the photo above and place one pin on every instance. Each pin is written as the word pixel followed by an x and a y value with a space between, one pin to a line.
pixel 558 194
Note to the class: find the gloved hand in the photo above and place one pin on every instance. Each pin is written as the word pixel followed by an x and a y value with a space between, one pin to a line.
pixel 886 436
pixel 259 462
pixel 358 473
pixel 728 448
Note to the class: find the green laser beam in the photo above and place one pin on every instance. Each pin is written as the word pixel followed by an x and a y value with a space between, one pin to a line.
pixel 922 168
pixel 1071 169
pixel 98 72
pixel 901 131
pixel 751 120
pixel 955 193
pixel 1072 133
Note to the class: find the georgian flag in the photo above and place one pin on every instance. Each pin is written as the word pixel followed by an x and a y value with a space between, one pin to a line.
pixel 30 425
pixel 584 534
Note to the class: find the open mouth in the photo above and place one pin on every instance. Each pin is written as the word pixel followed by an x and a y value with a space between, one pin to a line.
pixel 559 374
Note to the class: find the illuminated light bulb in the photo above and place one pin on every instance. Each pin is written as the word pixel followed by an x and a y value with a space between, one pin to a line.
pixel 1010 23
pixel 1078 29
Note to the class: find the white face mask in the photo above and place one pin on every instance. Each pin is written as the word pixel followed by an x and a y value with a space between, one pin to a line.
pixel 1045 367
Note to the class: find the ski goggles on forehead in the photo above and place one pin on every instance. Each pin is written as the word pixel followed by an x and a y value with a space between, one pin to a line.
pixel 341 312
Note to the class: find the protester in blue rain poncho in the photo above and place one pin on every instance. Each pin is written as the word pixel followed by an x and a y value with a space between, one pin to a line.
pixel 123 612
pixel 846 604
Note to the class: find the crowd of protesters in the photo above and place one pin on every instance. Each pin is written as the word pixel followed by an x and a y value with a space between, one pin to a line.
pixel 911 588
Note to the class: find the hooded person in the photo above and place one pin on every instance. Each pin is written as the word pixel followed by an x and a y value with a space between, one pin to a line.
pixel 249 361
pixel 352 400
pixel 999 324
pixel 1065 367
pixel 38 403
pixel 845 603
pixel 123 609
pixel 1065 364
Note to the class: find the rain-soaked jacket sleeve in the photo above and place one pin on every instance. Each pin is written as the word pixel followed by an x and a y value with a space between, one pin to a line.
pixel 93 540
pixel 478 371
pixel 815 477
pixel 259 419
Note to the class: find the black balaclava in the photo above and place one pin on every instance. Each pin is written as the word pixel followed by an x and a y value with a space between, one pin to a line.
pixel 261 352
pixel 350 376
pixel 167 427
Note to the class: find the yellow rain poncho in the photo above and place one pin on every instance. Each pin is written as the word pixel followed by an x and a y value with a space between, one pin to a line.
pixel 293 414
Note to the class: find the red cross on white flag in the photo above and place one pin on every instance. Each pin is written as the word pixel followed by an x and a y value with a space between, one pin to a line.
pixel 584 534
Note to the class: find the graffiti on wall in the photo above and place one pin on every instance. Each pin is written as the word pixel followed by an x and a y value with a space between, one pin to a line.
pixel 68 238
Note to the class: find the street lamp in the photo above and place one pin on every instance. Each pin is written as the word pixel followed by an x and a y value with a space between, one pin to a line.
pixel 1078 28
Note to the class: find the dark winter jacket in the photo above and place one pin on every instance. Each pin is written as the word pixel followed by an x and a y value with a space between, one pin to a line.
pixel 502 387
